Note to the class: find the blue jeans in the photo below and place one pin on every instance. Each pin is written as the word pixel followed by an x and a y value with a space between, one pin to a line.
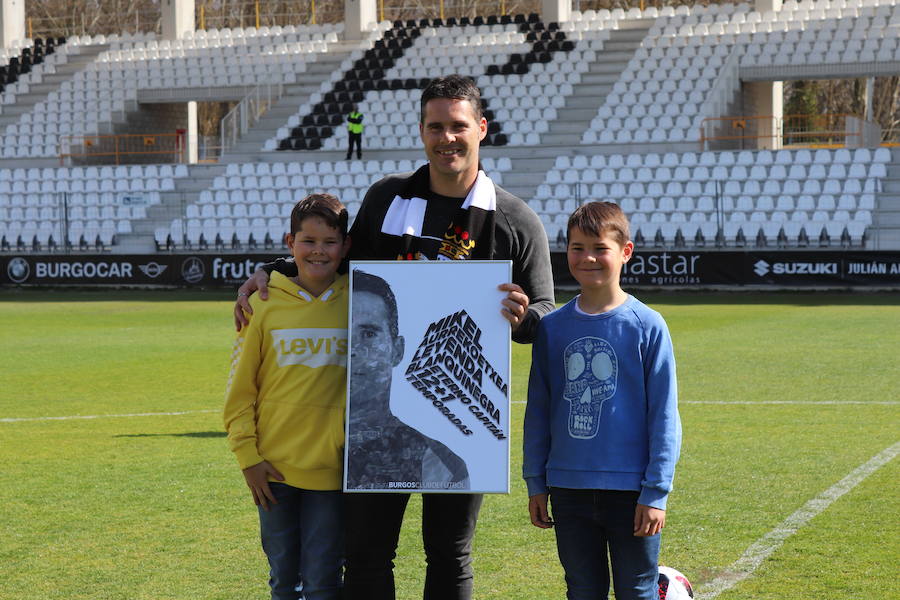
pixel 303 538
pixel 588 522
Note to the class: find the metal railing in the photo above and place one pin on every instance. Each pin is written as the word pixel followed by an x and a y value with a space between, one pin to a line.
pixel 739 131
pixel 103 18
pixel 818 131
pixel 209 148
pixel 247 113
pixel 258 14
pixel 828 130
pixel 85 21
pixel 124 148
pixel 443 9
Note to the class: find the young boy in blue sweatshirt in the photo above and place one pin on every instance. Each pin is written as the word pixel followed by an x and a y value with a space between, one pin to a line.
pixel 602 432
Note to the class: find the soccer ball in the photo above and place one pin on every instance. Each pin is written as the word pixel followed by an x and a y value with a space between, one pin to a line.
pixel 673 585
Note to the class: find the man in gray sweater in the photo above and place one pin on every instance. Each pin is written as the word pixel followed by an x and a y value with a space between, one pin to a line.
pixel 447 210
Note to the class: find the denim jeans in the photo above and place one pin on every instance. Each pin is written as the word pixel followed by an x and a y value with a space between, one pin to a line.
pixel 303 538
pixel 373 529
pixel 590 522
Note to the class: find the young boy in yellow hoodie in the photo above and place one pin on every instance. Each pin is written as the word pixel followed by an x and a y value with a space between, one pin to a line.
pixel 284 408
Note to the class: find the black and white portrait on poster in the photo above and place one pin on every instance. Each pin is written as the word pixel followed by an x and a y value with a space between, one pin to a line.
pixel 428 391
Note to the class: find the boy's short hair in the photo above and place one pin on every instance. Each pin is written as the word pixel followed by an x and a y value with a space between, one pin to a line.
pixel 366 282
pixel 453 87
pixel 597 218
pixel 325 206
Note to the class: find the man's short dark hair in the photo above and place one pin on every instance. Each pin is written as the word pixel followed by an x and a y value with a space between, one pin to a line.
pixel 325 206
pixel 454 87
pixel 366 282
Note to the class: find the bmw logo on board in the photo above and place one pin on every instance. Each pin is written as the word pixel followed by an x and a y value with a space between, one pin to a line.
pixel 18 269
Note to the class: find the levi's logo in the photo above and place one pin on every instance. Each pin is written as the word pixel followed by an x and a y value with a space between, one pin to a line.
pixel 312 347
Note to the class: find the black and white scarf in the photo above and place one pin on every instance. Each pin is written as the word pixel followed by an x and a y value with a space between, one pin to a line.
pixel 468 234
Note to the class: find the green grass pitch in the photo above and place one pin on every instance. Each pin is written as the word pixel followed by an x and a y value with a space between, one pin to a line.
pixel 782 396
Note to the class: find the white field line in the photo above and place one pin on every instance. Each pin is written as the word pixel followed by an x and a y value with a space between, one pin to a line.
pixel 75 417
pixel 194 412
pixel 762 548
pixel 811 402
pixel 767 402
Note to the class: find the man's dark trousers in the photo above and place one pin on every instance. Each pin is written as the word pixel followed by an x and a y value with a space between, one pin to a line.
pixel 373 529
pixel 355 138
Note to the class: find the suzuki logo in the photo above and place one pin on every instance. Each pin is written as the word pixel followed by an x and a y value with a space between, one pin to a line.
pixel 761 268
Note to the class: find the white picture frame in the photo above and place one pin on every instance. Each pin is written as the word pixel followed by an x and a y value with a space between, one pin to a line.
pixel 445 424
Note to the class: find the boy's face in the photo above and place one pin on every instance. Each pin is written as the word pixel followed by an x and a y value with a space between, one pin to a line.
pixel 596 262
pixel 318 250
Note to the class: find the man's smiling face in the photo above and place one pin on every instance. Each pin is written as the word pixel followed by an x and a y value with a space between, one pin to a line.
pixel 452 133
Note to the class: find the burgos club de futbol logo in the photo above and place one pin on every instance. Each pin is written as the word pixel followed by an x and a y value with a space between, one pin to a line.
pixel 457 244
pixel 192 270
pixel 18 269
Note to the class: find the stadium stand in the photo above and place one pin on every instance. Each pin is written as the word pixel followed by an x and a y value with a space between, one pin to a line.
pixel 100 203
pixel 770 198
pixel 124 66
pixel 245 206
pixel 607 105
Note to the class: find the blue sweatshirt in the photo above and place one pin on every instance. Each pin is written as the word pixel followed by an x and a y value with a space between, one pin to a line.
pixel 602 403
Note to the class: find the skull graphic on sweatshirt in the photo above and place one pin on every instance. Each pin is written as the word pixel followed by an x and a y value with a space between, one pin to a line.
pixel 591 369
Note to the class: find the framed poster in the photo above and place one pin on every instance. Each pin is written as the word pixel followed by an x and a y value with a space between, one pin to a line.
pixel 428 377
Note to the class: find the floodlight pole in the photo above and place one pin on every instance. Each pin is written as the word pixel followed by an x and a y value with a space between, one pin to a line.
pixel 556 11
pixel 360 17
pixel 768 96
pixel 12 22
pixel 178 19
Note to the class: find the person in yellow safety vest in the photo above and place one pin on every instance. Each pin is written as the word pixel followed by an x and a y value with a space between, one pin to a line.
pixel 355 129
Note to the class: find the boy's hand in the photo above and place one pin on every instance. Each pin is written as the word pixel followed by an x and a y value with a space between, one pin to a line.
pixel 648 520
pixel 259 281
pixel 257 478
pixel 515 305
pixel 537 508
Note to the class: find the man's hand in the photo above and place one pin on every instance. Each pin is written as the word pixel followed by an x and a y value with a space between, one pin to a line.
pixel 537 508
pixel 259 281
pixel 257 478
pixel 515 305
pixel 648 520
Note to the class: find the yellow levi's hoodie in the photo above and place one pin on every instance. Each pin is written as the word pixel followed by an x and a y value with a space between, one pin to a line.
pixel 287 387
